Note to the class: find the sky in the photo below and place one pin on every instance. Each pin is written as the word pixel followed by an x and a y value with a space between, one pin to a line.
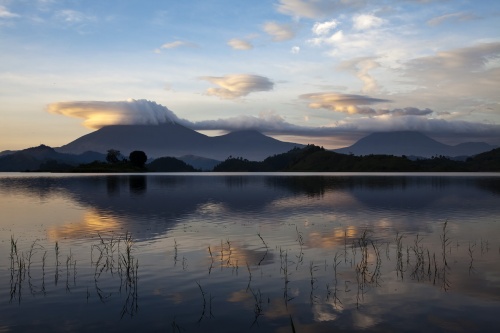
pixel 326 72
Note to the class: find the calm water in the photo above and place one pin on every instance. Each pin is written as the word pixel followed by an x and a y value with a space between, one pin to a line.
pixel 250 253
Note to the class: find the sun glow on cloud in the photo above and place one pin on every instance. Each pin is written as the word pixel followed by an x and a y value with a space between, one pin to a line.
pixel 98 114
pixel 346 103
pixel 237 85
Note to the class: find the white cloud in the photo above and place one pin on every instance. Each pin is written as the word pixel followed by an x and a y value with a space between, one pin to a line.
pixel 237 85
pixel 97 114
pixel 335 38
pixel 367 21
pixel 240 44
pixel 5 13
pixel 324 28
pixel 295 50
pixel 279 32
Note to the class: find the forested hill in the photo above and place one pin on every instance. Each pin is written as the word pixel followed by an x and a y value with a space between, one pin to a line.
pixel 316 159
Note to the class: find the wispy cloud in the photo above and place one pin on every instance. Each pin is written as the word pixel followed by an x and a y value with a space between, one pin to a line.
pixel 453 76
pixel 452 17
pixel 5 13
pixel 177 44
pixel 237 85
pixel 240 44
pixel 279 32
pixel 361 67
pixel 70 16
pixel 315 8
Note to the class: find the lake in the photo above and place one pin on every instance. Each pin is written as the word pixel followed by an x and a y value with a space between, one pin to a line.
pixel 276 252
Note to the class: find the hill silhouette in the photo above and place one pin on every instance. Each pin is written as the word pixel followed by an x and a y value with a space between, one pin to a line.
pixel 316 159
pixel 410 143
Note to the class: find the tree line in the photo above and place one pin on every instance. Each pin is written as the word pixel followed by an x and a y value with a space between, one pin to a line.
pixel 307 159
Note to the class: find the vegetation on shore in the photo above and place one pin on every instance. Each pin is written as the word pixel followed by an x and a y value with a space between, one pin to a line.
pixel 316 159
pixel 307 159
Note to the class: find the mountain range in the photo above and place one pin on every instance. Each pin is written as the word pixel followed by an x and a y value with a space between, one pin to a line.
pixel 204 152
pixel 175 140
pixel 411 143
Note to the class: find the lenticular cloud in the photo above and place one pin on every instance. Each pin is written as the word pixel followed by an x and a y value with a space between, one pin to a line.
pixel 97 114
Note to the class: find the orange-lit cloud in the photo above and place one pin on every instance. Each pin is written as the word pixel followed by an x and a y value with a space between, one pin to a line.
pixel 361 67
pixel 237 85
pixel 97 114
pixel 346 103
pixel 279 32
pixel 240 44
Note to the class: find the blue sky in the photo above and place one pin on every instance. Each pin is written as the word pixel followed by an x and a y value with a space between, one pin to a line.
pixel 308 71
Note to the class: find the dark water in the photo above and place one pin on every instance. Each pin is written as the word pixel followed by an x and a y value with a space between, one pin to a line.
pixel 256 253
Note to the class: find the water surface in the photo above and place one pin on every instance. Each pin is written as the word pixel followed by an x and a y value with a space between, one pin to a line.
pixel 250 252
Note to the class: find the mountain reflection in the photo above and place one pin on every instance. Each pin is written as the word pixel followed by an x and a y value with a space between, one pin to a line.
pixel 153 204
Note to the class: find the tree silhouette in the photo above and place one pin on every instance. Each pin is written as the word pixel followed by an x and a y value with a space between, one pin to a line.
pixel 113 156
pixel 138 158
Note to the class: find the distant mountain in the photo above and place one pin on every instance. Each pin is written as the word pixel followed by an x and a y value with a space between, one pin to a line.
pixel 411 143
pixel 32 158
pixel 176 140
pixel 7 152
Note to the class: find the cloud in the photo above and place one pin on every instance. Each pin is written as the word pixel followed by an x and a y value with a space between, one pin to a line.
pixel 334 39
pixel 240 44
pixel 367 21
pixel 361 67
pixel 279 32
pixel 346 103
pixel 176 44
pixel 316 8
pixel 408 111
pixel 458 130
pixel 5 13
pixel 97 114
pixel 410 119
pixel 324 28
pixel 295 50
pixel 237 85
pixel 70 16
pixel 266 122
pixel 460 16
pixel 456 77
